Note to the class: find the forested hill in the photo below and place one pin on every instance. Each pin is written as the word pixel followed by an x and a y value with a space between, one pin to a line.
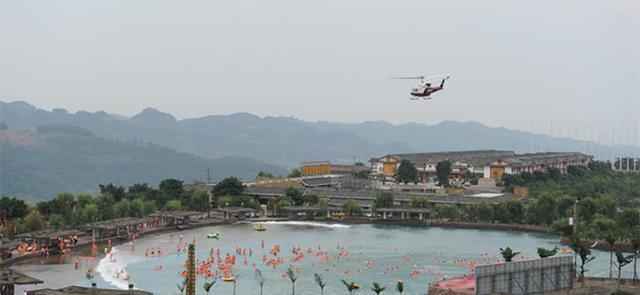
pixel 288 141
pixel 38 164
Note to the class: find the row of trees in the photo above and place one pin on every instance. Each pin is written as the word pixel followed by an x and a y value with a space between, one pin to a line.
pixel 320 280
pixel 67 210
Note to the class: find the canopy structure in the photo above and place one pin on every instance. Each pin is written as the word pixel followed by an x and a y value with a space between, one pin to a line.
pixel 405 213
pixel 235 212
pixel 44 237
pixel 77 290
pixel 119 228
pixel 174 218
pixel 9 278
pixel 307 212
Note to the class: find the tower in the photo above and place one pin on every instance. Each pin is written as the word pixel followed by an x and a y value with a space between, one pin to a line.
pixel 191 271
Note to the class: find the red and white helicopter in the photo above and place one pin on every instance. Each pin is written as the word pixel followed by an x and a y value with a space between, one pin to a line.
pixel 424 89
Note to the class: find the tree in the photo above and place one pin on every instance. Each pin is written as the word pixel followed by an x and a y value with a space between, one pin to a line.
pixel 584 252
pixel 542 210
pixel 169 189
pixel 13 208
pixel 142 190
pixel 199 200
pixel 293 277
pixel 622 261
pixel 261 279
pixel 295 195
pixel 283 201
pixel 311 199
pixel 508 254
pixel 400 287
pixel 295 173
pixel 320 281
pixel 443 170
pixel 182 286
pixel 91 213
pixel 635 245
pixel 377 288
pixel 121 209
pixel 544 253
pixel 149 207
pixel 603 225
pixel 515 211
pixel 419 202
pixel 265 174
pixel 407 172
pixel 447 211
pixel 136 207
pixel 118 192
pixel 351 286
pixel 484 211
pixel 173 205
pixel 230 186
pixel 383 199
pixel 611 239
pixel 105 206
pixel 33 221
pixel 207 285
pixel 351 208
pixel 139 188
pixel 63 203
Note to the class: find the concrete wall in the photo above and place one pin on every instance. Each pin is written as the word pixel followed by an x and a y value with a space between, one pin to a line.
pixel 525 277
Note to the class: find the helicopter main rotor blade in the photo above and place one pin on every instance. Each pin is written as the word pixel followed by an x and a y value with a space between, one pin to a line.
pixel 409 78
pixel 421 77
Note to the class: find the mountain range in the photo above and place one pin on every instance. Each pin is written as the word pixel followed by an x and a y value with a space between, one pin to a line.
pixel 256 143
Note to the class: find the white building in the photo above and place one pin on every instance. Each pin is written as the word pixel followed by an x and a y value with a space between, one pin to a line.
pixel 488 163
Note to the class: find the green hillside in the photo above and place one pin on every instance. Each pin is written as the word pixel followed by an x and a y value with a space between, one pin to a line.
pixel 54 159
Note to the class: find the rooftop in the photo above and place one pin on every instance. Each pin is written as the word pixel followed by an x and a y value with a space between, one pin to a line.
pixel 234 210
pixel 111 224
pixel 485 157
pixel 47 233
pixel 13 277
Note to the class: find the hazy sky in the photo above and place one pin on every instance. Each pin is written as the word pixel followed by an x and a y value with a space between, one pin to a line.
pixel 559 65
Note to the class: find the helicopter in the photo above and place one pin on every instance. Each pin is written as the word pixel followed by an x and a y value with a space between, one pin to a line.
pixel 424 90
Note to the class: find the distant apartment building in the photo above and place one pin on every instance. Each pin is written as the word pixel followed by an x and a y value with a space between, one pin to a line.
pixel 626 164
pixel 327 168
pixel 488 163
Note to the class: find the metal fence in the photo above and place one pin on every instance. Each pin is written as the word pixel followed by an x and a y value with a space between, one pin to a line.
pixel 525 277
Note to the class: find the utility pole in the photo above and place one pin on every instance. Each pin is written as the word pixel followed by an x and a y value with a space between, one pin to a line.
pixel 208 175
pixel 575 218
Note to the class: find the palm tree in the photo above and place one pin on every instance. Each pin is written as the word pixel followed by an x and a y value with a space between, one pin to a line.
pixel 400 287
pixel 635 245
pixel 621 261
pixel 508 254
pixel 182 286
pixel 585 257
pixel 544 253
pixel 351 286
pixel 575 243
pixel 293 277
pixel 207 285
pixel 321 282
pixel 611 239
pixel 377 288
pixel 261 279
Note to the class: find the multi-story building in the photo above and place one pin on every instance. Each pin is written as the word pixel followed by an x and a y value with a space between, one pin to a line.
pixel 488 163
pixel 327 168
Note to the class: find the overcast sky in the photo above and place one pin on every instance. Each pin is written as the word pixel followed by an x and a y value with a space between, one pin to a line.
pixel 551 65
